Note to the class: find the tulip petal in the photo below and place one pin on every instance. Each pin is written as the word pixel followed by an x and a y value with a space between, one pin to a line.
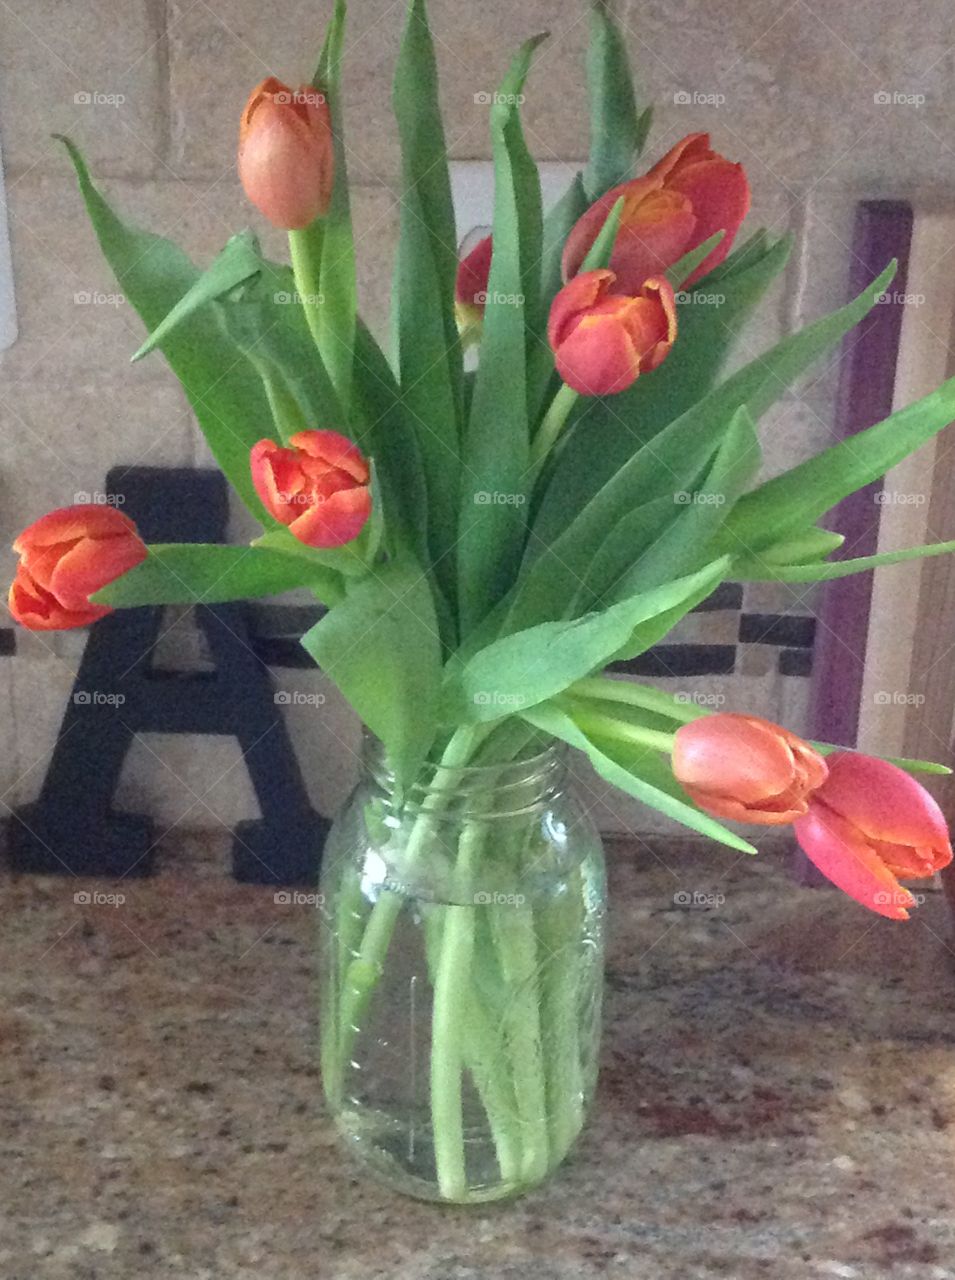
pixel 92 563
pixel 598 358
pixel 734 755
pixel 842 855
pixel 35 608
pixel 284 167
pixel 720 198
pixel 66 524
pixel 337 520
pixel 887 804
pixel 474 270
pixel 578 295
pixel 334 449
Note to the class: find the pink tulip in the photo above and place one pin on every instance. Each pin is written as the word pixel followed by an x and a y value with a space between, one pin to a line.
pixel 869 825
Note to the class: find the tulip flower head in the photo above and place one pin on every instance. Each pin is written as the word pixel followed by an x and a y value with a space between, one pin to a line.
pixel 602 342
pixel 686 197
pixel 746 769
pixel 65 557
pixel 286 153
pixel 317 486
pixel 869 825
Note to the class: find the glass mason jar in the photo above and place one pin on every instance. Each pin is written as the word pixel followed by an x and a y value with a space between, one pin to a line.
pixel 463 938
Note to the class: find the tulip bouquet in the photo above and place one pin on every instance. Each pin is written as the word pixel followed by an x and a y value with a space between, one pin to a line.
pixel 487 542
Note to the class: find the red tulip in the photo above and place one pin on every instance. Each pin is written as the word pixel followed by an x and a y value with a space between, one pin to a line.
pixel 286 156
pixel 686 197
pixel 603 341
pixel 869 824
pixel 746 769
pixel 474 270
pixel 318 486
pixel 65 557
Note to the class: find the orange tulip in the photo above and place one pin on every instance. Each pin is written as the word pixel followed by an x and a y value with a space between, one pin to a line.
pixel 286 156
pixel 686 197
pixel 317 487
pixel 746 769
pixel 65 557
pixel 602 342
pixel 869 824
pixel 474 270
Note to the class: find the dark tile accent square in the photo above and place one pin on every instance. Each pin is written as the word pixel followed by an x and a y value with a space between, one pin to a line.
pixel 681 660
pixel 270 620
pixel 728 595
pixel 8 642
pixel 795 662
pixel 282 651
pixel 794 630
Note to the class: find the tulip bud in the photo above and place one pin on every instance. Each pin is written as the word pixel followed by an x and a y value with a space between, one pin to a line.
pixel 746 769
pixel 470 290
pixel 317 487
pixel 65 557
pixel 286 153
pixel 602 342
pixel 869 824
pixel 685 198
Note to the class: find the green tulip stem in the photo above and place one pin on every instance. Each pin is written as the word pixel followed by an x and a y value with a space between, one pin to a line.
pixel 305 252
pixel 625 731
pixel 551 426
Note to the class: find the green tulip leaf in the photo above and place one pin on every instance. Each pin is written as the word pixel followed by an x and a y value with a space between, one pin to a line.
pixel 617 129
pixel 496 445
pixel 207 573
pixel 527 667
pixel 382 648
pixel 223 388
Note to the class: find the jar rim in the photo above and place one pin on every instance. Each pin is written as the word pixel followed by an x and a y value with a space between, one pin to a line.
pixel 545 769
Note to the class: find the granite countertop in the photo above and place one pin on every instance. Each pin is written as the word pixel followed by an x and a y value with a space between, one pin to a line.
pixel 777 1096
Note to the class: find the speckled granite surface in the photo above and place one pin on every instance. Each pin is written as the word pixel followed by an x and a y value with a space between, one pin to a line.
pixel 777 1097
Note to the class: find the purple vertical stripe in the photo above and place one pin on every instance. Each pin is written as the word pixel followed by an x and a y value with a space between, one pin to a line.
pixel 883 230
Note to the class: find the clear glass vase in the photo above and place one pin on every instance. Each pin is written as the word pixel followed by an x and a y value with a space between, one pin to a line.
pixel 463 938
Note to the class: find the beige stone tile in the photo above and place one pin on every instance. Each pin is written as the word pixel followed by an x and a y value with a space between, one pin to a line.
pixel 217 56
pixel 792 430
pixel 40 691
pixel 716 627
pixel 795 85
pixel 91 71
pixel 71 311
pixel 57 443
